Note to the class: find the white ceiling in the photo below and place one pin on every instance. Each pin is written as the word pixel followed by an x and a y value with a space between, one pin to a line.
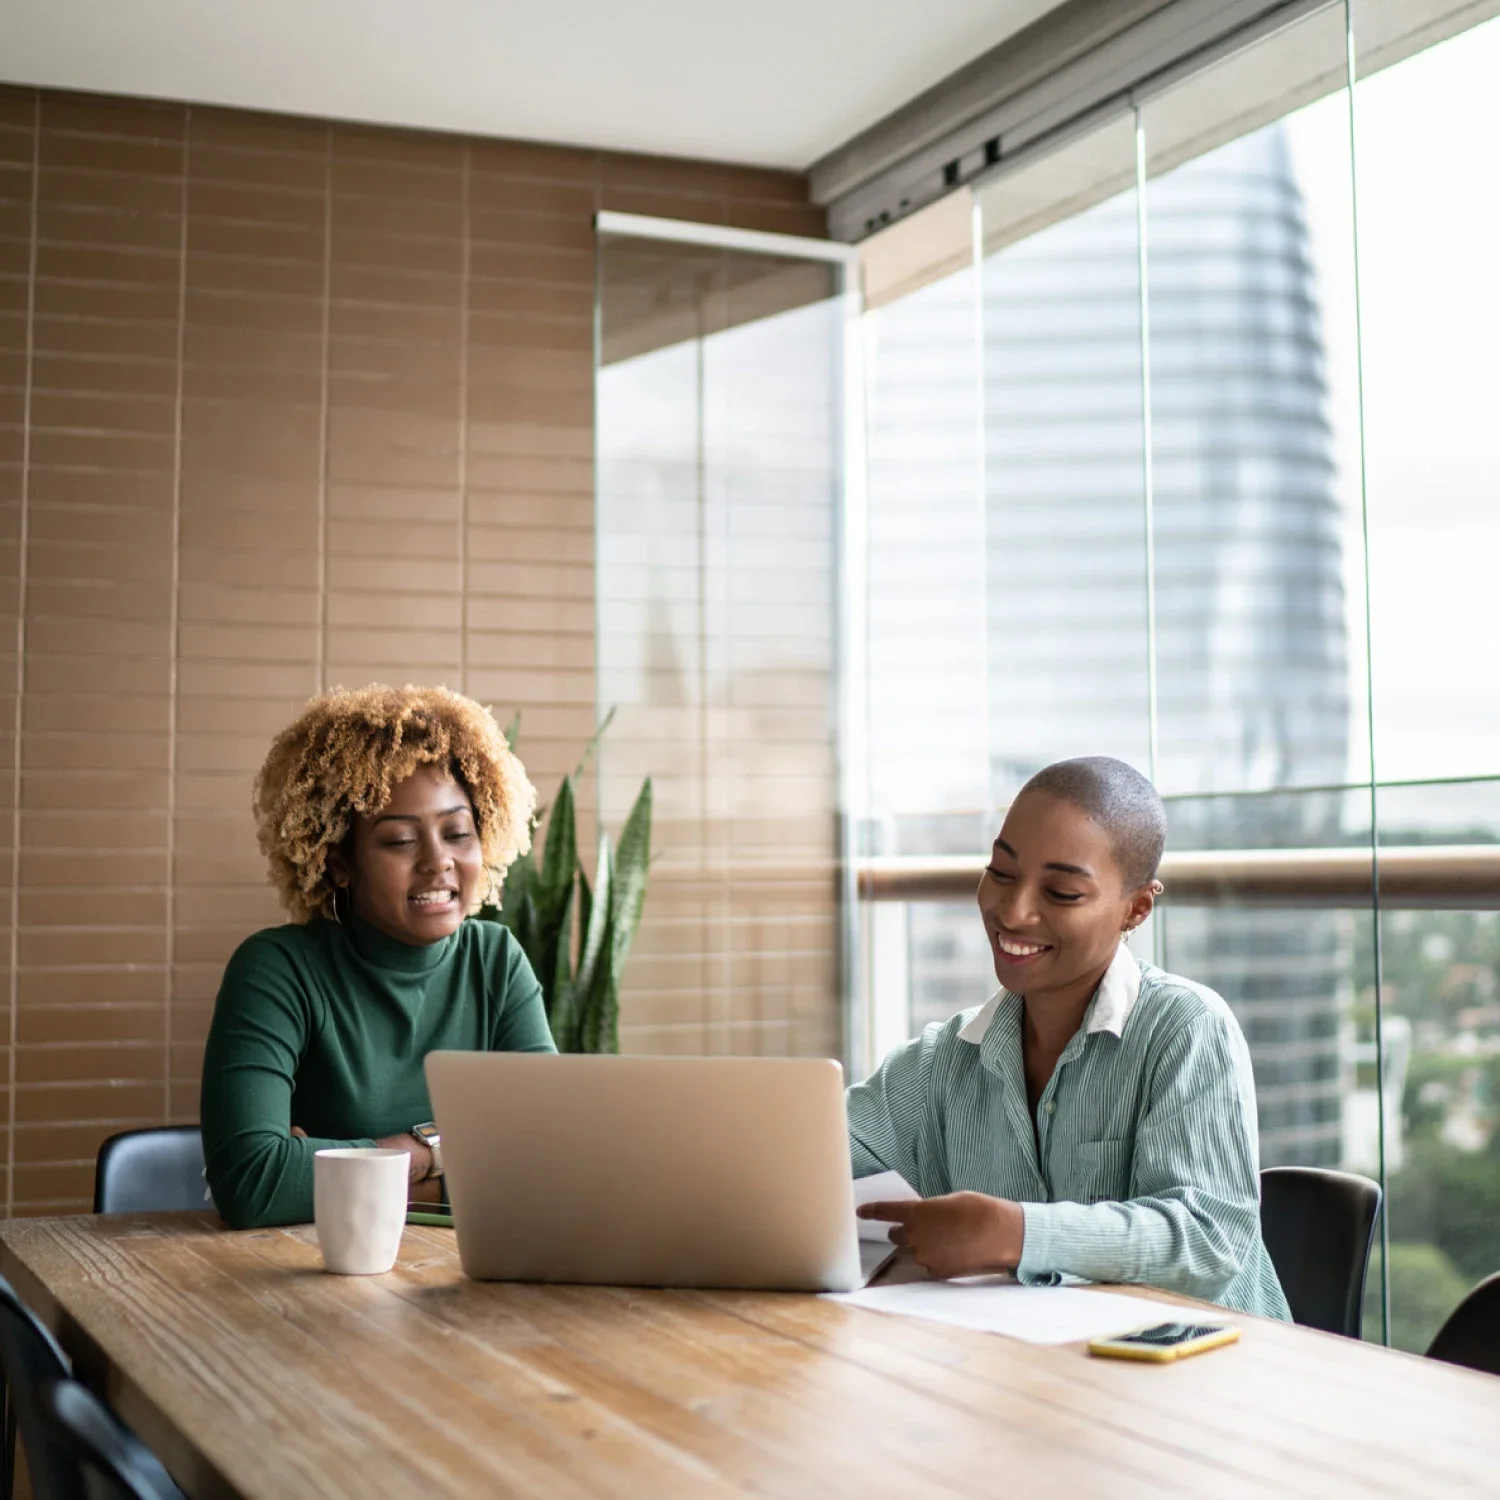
pixel 775 82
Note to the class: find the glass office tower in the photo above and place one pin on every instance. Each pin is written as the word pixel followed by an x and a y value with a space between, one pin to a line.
pixel 1251 641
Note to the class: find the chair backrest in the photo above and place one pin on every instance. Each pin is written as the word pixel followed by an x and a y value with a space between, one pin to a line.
pixel 151 1171
pixel 116 1464
pixel 1471 1336
pixel 32 1358
pixel 1318 1226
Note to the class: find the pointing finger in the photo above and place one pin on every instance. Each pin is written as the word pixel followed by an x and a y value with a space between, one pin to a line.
pixel 896 1213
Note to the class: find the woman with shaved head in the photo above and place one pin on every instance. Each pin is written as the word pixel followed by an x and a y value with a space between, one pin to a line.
pixel 1096 1118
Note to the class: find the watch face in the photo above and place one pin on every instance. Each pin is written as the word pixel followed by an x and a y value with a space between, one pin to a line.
pixel 426 1133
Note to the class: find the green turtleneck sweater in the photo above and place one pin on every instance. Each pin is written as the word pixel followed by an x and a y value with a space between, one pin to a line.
pixel 325 1027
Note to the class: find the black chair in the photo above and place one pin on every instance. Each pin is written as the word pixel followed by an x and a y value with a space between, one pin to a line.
pixel 115 1464
pixel 1471 1336
pixel 151 1171
pixel 31 1358
pixel 1319 1227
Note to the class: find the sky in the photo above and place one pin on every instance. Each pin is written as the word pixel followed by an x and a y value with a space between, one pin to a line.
pixel 1426 143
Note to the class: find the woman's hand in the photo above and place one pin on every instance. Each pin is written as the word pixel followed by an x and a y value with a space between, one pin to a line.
pixel 423 1189
pixel 959 1234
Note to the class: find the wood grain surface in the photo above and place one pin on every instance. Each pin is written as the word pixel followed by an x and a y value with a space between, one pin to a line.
pixel 253 1373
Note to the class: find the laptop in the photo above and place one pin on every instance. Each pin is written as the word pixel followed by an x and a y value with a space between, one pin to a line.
pixel 650 1171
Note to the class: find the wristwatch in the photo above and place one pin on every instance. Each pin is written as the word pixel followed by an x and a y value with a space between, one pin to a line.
pixel 429 1137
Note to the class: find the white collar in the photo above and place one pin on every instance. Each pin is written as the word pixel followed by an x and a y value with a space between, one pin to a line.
pixel 1108 1010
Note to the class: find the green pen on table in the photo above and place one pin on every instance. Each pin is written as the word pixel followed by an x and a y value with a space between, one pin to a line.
pixel 423 1216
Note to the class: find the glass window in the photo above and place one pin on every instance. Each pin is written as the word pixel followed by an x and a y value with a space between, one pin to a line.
pixel 1288 971
pixel 1064 469
pixel 1430 305
pixel 1260 630
pixel 1440 1040
pixel 1179 449
pixel 1237 522
pixel 927 642
pixel 1007 545
pixel 719 435
pixel 1429 242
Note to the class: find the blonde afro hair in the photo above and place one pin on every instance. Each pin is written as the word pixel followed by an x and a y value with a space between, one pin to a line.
pixel 345 752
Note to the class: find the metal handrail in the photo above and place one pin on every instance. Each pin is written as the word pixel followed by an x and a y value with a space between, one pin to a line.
pixel 1438 877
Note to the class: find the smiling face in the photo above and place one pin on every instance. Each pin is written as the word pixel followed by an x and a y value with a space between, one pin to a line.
pixel 413 869
pixel 1053 900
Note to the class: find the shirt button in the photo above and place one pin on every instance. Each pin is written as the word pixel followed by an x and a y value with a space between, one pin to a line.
pixel 1051 1105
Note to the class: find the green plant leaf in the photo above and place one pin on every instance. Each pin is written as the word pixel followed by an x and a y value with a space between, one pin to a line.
pixel 585 1023
pixel 632 865
pixel 598 1014
pixel 520 880
pixel 564 1020
pixel 558 994
pixel 512 731
pixel 525 928
pixel 560 856
pixel 585 909
pixel 606 1030
pixel 562 957
pixel 552 889
pixel 547 889
pixel 593 744
pixel 548 944
pixel 596 929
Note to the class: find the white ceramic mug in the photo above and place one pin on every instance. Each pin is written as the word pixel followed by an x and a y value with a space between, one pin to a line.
pixel 359 1205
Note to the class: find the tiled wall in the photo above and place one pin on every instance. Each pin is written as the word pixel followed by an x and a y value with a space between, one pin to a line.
pixel 283 404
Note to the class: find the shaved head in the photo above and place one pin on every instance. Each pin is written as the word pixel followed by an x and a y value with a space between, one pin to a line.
pixel 1121 801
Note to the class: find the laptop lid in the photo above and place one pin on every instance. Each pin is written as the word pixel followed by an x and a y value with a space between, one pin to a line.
pixel 648 1171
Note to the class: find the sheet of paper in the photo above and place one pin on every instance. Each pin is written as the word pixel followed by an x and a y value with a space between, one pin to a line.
pixel 883 1187
pixel 1036 1314
pixel 873 1255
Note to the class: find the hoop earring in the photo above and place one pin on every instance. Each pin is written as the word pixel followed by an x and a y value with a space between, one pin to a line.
pixel 334 903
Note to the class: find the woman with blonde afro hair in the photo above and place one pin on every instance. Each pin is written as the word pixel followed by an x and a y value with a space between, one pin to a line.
pixel 386 815
pixel 340 761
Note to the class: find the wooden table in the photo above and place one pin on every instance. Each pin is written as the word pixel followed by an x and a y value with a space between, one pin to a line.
pixel 252 1373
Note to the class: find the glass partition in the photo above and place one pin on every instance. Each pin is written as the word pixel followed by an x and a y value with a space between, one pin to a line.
pixel 1261 669
pixel 1440 996
pixel 1227 456
pixel 1065 479
pixel 1289 965
pixel 721 484
pixel 1430 305
pixel 928 644
pixel 1007 545
pixel 1259 568
pixel 1189 461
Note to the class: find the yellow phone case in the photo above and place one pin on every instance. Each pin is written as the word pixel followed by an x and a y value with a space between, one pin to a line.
pixel 1162 1355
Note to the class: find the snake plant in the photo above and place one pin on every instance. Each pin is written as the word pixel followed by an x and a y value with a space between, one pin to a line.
pixel 576 935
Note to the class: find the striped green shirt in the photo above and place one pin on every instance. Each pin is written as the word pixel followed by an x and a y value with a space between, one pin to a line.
pixel 1144 1162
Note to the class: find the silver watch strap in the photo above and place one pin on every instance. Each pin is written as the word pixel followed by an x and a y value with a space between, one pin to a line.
pixel 435 1148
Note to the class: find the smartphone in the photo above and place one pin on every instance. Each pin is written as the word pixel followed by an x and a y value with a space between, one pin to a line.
pixel 1166 1341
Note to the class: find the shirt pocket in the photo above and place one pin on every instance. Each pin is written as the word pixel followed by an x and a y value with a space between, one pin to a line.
pixel 1101 1172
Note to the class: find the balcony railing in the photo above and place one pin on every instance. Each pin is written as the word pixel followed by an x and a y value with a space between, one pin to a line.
pixel 1440 877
